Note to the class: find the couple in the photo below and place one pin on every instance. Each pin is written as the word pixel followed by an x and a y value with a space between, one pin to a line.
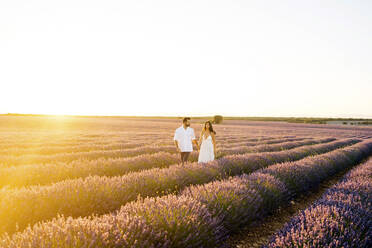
pixel 185 136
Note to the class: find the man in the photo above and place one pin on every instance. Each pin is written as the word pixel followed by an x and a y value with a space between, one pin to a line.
pixel 183 139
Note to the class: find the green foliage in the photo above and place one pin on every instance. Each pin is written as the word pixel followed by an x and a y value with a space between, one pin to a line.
pixel 217 119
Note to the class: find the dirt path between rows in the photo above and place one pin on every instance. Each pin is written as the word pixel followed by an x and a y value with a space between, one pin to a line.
pixel 258 233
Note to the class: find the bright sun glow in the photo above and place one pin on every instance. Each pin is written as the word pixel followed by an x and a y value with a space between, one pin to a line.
pixel 242 58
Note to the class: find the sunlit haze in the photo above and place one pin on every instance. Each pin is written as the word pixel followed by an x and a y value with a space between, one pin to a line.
pixel 236 58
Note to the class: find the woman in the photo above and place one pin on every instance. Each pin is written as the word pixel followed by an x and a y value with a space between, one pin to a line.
pixel 207 143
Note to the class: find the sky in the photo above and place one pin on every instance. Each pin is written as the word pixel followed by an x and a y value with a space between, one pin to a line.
pixel 176 58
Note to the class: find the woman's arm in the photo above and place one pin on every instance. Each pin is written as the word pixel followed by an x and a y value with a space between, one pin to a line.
pixel 214 144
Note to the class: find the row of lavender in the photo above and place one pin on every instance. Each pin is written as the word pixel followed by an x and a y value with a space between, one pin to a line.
pixel 42 174
pixel 9 160
pixel 201 216
pixel 342 217
pixel 99 195
pixel 107 143
pixel 120 145
pixel 30 141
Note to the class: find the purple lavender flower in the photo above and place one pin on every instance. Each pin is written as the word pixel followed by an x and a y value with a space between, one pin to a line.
pixel 342 217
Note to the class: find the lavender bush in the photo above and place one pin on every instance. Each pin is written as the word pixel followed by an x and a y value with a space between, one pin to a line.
pixel 11 160
pixel 41 174
pixel 253 143
pixel 342 217
pixel 292 172
pixel 19 148
pixel 232 200
pixel 198 217
pixel 94 194
pixel 239 200
pixel 168 221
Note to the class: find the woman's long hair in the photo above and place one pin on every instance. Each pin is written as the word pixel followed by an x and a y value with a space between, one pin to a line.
pixel 210 127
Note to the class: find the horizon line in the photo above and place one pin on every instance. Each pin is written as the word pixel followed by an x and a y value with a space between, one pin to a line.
pixel 181 116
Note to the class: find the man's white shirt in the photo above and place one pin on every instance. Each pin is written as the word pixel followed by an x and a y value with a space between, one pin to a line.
pixel 184 138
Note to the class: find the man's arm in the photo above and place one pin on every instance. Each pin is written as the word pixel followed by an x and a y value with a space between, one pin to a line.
pixel 176 142
pixel 177 147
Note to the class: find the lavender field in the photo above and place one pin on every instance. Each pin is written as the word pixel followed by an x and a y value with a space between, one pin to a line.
pixel 118 182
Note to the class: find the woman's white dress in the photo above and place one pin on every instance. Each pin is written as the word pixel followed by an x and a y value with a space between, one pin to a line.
pixel 206 153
